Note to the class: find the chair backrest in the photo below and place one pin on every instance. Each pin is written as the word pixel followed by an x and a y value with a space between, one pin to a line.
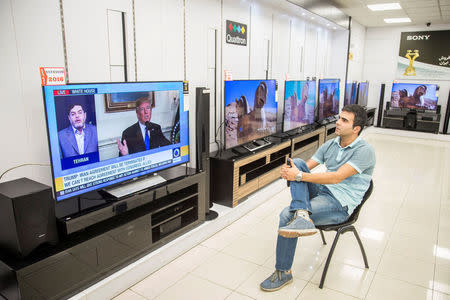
pixel 354 216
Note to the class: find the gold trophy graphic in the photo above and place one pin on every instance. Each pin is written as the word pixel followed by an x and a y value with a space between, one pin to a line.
pixel 410 70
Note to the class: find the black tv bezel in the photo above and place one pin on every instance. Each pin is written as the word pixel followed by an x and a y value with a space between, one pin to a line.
pixel 224 106
pixel 65 202
pixel 418 109
pixel 357 96
pixel 318 97
pixel 284 106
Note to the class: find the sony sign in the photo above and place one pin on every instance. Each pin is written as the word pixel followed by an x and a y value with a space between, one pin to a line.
pixel 418 37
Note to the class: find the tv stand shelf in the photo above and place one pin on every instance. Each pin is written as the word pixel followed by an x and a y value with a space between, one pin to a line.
pixel 233 177
pixel 87 256
pixel 330 131
pixel 411 120
pixel 305 145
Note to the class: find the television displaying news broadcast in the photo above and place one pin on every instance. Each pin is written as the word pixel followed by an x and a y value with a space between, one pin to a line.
pixel 414 95
pixel 101 134
pixel 299 104
pixel 250 111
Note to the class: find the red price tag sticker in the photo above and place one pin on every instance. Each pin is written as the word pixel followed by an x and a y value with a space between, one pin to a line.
pixel 52 76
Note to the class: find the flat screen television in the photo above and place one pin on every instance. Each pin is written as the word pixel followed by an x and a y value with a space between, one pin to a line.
pixel 250 111
pixel 101 134
pixel 299 103
pixel 363 93
pixel 414 96
pixel 351 90
pixel 328 98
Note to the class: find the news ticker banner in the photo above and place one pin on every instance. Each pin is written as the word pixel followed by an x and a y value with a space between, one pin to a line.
pixel 52 76
pixel 424 55
pixel 86 179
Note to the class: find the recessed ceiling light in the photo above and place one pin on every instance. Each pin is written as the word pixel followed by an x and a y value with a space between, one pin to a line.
pixel 384 6
pixel 334 28
pixel 397 20
pixel 312 18
pixel 303 14
pixel 328 24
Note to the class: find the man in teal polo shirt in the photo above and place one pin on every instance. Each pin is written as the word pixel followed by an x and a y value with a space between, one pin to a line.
pixel 323 198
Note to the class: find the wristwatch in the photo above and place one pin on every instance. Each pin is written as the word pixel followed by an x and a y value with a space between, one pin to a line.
pixel 299 176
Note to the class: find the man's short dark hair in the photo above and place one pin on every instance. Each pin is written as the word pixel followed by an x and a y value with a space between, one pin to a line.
pixel 359 113
pixel 73 105
pixel 147 99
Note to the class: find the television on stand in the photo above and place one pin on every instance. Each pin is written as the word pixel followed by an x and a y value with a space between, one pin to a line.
pixel 351 90
pixel 250 113
pixel 414 96
pixel 328 106
pixel 363 93
pixel 103 136
pixel 299 105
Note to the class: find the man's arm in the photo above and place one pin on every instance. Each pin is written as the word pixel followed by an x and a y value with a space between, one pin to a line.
pixel 345 171
pixel 312 164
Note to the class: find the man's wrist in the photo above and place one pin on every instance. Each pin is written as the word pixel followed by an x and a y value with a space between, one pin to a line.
pixel 299 176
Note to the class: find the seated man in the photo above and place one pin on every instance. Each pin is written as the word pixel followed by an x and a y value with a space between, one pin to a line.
pixel 323 198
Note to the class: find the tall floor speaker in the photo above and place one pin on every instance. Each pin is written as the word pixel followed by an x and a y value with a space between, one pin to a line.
pixel 202 140
pixel 447 116
pixel 27 216
pixel 380 105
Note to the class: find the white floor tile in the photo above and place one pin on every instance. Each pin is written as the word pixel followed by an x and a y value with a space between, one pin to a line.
pixel 346 279
pixel 129 295
pixel 391 289
pixel 440 296
pixel 407 269
pixel 442 279
pixel 313 292
pixel 193 258
pixel 193 287
pixel 226 270
pixel 222 239
pixel 251 249
pixel 238 296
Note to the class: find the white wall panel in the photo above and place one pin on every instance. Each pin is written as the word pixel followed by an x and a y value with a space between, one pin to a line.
pixel 311 44
pixel 260 31
pixel 86 28
pixel 357 45
pixel 30 38
pixel 297 49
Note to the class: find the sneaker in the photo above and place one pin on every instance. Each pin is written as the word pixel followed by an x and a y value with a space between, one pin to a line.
pixel 300 225
pixel 276 281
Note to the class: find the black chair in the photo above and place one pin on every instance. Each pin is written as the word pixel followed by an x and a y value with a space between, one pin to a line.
pixel 343 228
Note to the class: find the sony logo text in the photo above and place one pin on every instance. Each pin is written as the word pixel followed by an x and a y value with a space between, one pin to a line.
pixel 417 37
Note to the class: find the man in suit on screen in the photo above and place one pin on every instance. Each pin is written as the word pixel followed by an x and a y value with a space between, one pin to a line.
pixel 143 135
pixel 79 138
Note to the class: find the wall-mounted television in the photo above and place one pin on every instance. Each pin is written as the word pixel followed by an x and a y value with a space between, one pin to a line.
pixel 101 134
pixel 299 103
pixel 328 98
pixel 351 89
pixel 414 96
pixel 250 111
pixel 363 93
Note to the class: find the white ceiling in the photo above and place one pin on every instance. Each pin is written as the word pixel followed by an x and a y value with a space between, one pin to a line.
pixel 419 11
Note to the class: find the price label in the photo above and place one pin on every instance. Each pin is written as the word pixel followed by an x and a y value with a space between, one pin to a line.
pixel 52 76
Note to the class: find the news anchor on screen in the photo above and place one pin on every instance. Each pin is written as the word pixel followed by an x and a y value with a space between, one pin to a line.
pixel 79 138
pixel 143 135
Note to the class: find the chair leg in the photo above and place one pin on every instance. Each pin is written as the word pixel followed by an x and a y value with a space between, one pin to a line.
pixel 323 237
pixel 325 269
pixel 361 247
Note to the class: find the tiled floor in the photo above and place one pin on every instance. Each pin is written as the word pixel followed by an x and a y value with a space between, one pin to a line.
pixel 405 228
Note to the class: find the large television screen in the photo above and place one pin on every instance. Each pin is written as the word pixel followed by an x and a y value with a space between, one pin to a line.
pixel 351 90
pixel 299 104
pixel 250 111
pixel 328 98
pixel 363 93
pixel 414 95
pixel 101 134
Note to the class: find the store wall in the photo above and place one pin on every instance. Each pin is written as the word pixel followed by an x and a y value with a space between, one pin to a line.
pixel 357 42
pixel 175 40
pixel 380 62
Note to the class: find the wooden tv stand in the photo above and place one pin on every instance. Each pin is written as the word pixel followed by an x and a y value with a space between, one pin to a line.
pixel 305 145
pixel 233 177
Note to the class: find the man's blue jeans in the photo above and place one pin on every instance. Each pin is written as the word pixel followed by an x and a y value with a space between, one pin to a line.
pixel 323 207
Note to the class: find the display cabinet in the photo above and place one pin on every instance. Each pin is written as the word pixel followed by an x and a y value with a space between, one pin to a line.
pixel 305 145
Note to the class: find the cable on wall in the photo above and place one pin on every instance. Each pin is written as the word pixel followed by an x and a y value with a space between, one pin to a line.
pixel 63 31
pixel 184 37
pixel 134 41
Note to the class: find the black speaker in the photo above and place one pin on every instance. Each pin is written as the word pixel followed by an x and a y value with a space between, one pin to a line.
pixel 447 116
pixel 410 120
pixel 27 216
pixel 380 105
pixel 202 96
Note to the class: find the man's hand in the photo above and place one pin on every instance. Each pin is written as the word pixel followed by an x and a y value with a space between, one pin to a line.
pixel 123 148
pixel 289 173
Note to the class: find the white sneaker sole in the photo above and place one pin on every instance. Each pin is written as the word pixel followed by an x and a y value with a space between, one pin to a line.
pixel 293 233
